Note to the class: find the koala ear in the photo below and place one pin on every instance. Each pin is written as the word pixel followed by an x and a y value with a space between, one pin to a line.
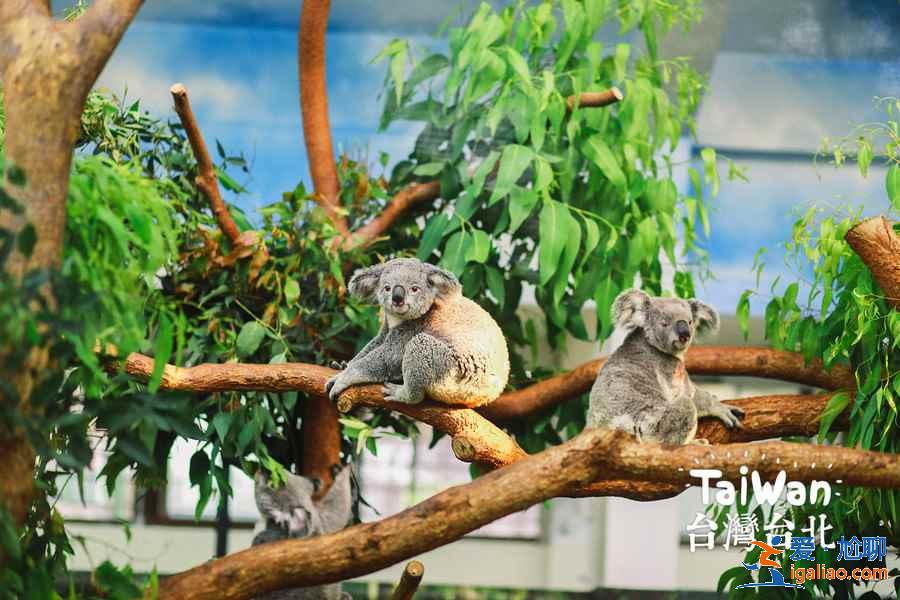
pixel 705 315
pixel 443 281
pixel 265 495
pixel 630 308
pixel 364 282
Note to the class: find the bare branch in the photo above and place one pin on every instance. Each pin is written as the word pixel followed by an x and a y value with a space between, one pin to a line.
pixel 409 197
pixel 207 181
pixel 449 515
pixel 595 99
pixel 700 360
pixel 409 581
pixel 878 246
pixel 314 108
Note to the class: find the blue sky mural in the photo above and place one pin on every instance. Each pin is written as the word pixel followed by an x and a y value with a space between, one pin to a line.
pixel 769 106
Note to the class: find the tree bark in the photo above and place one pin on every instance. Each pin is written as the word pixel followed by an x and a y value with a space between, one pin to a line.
pixel 47 70
pixel 409 581
pixel 878 246
pixel 561 470
pixel 314 107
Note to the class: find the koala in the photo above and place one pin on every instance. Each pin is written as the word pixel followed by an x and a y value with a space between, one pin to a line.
pixel 291 512
pixel 433 340
pixel 644 388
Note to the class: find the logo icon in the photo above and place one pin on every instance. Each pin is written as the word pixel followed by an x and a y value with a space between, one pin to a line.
pixel 767 551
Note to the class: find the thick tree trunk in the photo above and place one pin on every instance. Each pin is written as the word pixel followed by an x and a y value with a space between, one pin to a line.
pixel 47 71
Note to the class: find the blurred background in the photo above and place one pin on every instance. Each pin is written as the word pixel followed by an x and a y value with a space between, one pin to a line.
pixel 783 76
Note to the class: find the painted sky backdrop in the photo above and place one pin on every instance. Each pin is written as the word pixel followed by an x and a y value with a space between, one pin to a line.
pixel 784 75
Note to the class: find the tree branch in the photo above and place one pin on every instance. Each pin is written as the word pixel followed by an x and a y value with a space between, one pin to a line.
pixel 410 196
pixel 878 246
pixel 449 515
pixel 314 108
pixel 595 99
pixel 476 438
pixel 409 581
pixel 700 360
pixel 207 181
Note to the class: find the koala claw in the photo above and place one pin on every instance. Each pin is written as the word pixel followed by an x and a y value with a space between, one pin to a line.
pixel 731 416
pixel 397 392
pixel 334 388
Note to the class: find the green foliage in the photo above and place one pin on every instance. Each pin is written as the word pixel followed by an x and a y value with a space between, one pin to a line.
pixel 572 204
pixel 842 317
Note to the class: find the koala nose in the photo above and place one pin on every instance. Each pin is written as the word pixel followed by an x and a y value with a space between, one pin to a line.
pixel 683 331
pixel 398 294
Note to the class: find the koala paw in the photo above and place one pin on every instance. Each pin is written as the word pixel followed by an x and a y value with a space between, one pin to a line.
pixel 340 365
pixel 730 415
pixel 396 392
pixel 699 442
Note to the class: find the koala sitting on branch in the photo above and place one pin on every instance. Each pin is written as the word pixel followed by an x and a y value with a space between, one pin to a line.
pixel 291 511
pixel 644 388
pixel 433 341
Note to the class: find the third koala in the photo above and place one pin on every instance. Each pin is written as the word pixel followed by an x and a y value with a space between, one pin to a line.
pixel 433 339
pixel 291 511
pixel 644 388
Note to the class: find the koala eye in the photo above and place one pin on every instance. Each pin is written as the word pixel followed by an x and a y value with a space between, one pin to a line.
pixel 414 289
pixel 666 322
pixel 387 288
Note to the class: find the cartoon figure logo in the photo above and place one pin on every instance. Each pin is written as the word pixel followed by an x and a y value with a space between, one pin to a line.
pixel 765 561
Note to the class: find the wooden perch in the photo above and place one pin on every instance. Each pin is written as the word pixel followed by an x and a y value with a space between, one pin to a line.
pixel 561 470
pixel 474 437
pixel 409 581
pixel 595 99
pixel 314 108
pixel 878 246
pixel 207 181
pixel 700 360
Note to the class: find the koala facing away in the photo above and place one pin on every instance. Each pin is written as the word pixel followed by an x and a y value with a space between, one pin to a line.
pixel 291 512
pixel 433 340
pixel 644 388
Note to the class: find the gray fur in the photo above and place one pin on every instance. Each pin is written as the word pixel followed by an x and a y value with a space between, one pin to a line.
pixel 291 512
pixel 433 341
pixel 644 388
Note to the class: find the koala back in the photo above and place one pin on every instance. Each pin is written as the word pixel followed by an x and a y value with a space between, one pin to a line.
pixel 480 354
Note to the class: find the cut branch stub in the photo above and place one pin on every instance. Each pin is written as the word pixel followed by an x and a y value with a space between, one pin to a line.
pixel 595 99
pixel 409 581
pixel 878 246
pixel 207 181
